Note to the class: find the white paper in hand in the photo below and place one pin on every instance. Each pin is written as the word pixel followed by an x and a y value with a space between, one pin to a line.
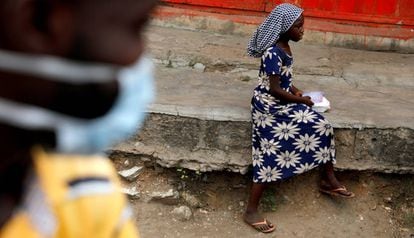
pixel 321 104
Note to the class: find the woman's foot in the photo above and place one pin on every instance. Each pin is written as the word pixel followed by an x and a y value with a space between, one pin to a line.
pixel 259 223
pixel 330 185
pixel 335 189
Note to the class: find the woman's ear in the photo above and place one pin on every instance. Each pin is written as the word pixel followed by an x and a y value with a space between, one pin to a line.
pixel 38 26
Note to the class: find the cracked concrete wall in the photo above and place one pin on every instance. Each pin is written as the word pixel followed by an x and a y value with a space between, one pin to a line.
pixel 208 145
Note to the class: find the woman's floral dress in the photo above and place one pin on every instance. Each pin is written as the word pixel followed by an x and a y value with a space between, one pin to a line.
pixel 288 138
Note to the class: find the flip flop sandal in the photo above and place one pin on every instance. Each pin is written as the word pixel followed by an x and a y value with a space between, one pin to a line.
pixel 259 226
pixel 337 192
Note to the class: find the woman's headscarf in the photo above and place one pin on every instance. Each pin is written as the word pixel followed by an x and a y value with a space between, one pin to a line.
pixel 278 22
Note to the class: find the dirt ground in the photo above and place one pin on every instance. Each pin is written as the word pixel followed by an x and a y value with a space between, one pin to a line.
pixel 383 206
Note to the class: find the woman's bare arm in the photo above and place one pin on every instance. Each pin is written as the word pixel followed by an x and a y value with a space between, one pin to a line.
pixel 279 93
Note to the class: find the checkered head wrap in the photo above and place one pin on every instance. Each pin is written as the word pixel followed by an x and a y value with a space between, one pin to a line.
pixel 278 22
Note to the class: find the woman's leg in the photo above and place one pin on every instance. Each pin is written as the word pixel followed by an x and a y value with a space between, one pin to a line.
pixel 328 175
pixel 252 216
pixel 330 184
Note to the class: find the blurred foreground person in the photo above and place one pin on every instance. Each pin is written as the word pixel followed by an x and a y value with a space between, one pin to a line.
pixel 74 81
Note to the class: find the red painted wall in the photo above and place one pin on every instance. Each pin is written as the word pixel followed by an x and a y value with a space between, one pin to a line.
pixel 254 5
pixel 370 12
pixel 396 12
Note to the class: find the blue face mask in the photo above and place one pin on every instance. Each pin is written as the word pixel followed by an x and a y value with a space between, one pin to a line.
pixel 78 136
pixel 122 121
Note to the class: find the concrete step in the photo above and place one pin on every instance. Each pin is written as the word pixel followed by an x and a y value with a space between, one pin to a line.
pixel 201 118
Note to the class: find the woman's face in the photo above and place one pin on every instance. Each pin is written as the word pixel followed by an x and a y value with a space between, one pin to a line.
pixel 295 33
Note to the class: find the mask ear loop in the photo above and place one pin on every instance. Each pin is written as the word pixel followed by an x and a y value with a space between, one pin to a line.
pixel 56 69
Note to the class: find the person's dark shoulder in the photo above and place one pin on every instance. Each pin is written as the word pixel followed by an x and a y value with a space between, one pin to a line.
pixel 279 51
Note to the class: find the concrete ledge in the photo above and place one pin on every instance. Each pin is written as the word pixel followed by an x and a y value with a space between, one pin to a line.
pixel 209 145
pixel 215 114
pixel 201 121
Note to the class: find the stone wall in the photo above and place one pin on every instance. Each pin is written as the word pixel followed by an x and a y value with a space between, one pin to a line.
pixel 208 145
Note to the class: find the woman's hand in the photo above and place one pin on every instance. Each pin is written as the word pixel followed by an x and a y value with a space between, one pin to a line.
pixel 295 95
pixel 298 93
pixel 307 100
pixel 295 91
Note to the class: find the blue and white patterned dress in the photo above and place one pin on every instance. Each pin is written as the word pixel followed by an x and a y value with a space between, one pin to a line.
pixel 288 138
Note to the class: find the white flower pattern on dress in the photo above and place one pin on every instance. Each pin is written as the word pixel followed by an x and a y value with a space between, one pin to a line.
pixel 265 83
pixel 323 127
pixel 332 150
pixel 303 116
pixel 323 155
pixel 265 99
pixel 285 110
pixel 269 174
pixel 262 120
pixel 257 157
pixel 307 143
pixel 258 96
pixel 287 159
pixel 286 131
pixel 269 99
pixel 287 70
pixel 279 63
pixel 268 54
pixel 269 146
pixel 255 133
pixel 304 168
